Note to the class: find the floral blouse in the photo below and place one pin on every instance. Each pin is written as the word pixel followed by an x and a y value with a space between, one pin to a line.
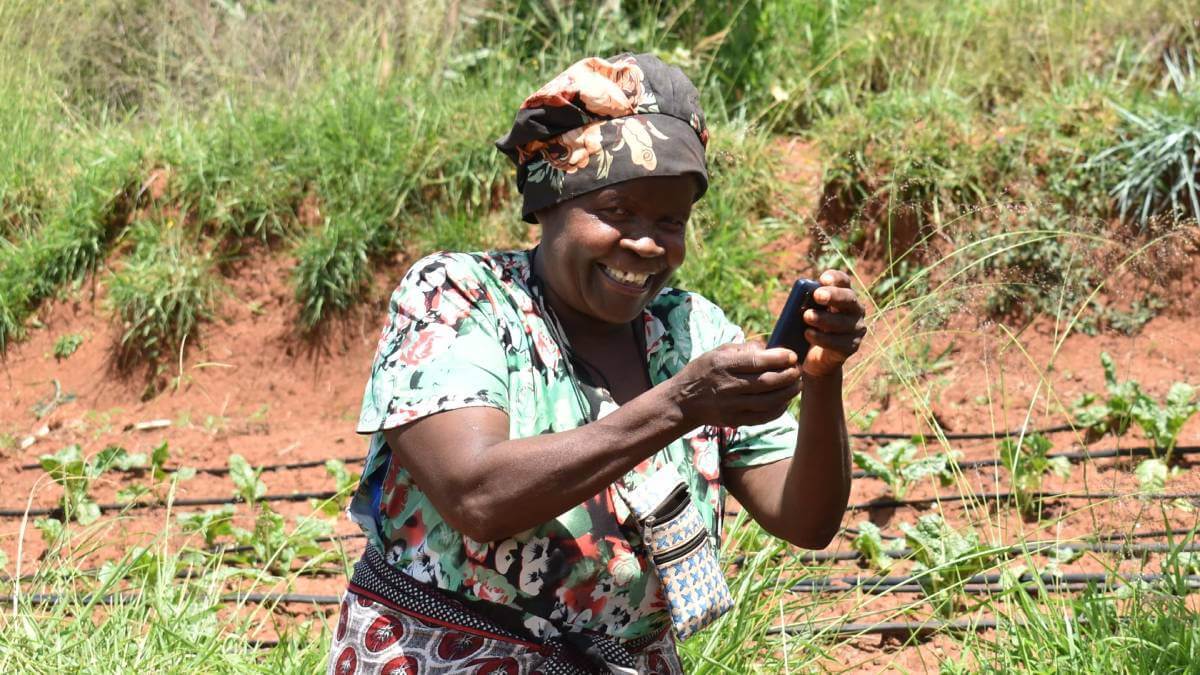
pixel 464 330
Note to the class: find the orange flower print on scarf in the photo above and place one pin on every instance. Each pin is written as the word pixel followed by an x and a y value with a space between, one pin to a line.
pixel 605 89
pixel 571 151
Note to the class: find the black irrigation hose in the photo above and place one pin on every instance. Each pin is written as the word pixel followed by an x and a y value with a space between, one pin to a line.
pixel 198 501
pixel 989 583
pixel 969 436
pixel 1073 457
pixel 1033 548
pixel 223 470
pixel 1004 496
pixel 899 629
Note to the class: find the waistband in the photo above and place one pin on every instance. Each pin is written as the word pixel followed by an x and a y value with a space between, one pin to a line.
pixel 568 653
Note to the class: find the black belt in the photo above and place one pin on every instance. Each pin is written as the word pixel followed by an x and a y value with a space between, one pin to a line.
pixel 569 653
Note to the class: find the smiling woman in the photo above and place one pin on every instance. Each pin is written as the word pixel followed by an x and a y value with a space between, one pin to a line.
pixel 553 431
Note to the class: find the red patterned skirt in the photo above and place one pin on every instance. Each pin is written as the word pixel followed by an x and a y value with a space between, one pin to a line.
pixel 391 624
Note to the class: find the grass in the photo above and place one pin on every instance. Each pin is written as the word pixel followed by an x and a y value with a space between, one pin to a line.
pixel 160 295
pixel 976 157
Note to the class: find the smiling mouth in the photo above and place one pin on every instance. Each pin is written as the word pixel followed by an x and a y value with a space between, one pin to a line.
pixel 638 280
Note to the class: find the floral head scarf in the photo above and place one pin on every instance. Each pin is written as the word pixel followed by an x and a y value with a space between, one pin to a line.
pixel 604 121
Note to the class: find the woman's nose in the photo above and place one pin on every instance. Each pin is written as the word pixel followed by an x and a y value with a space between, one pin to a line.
pixel 645 247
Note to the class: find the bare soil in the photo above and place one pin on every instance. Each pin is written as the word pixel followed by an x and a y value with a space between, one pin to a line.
pixel 249 384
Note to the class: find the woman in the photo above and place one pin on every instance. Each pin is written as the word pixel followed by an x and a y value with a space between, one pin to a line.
pixel 522 402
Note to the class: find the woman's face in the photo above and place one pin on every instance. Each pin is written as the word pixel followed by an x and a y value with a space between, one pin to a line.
pixel 607 253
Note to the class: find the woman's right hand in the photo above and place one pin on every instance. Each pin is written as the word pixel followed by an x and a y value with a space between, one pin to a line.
pixel 737 384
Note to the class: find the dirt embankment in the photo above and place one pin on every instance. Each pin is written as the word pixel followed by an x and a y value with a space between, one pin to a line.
pixel 248 384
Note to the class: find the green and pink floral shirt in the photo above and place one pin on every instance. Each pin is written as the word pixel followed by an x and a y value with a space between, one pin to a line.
pixel 464 330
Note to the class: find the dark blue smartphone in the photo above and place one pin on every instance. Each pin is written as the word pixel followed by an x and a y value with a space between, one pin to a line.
pixel 789 329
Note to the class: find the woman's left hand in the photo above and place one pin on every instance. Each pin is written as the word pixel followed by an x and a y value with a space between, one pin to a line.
pixel 836 327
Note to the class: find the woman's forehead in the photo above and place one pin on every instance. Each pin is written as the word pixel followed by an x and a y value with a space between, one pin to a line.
pixel 662 192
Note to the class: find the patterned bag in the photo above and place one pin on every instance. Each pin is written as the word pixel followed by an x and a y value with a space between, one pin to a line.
pixel 681 550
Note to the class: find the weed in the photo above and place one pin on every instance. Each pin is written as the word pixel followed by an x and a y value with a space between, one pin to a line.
pixel 159 298
pixel 1159 159
pixel 66 345
pixel 898 465
pixel 1027 464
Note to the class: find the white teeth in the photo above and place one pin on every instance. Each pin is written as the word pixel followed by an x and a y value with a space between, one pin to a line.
pixel 632 278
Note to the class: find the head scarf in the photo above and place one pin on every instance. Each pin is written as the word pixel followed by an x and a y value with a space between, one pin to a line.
pixel 605 121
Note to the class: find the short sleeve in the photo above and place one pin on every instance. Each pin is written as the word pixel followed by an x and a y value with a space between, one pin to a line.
pixel 750 445
pixel 441 348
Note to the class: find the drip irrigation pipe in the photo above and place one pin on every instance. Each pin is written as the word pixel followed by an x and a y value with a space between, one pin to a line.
pixel 990 583
pixel 900 629
pixel 864 506
pixel 223 470
pixel 1073 457
pixel 1032 548
pixel 199 501
pixel 1004 496
pixel 969 436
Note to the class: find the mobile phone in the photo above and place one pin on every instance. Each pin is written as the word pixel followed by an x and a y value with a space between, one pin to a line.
pixel 789 329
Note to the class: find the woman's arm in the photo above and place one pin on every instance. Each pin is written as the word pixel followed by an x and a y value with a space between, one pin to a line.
pixel 490 487
pixel 802 499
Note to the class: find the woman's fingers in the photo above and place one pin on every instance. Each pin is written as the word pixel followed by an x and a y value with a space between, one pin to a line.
pixel 835 278
pixel 837 299
pixel 834 323
pixel 769 380
pixel 842 343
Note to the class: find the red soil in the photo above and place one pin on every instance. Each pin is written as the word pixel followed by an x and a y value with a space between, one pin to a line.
pixel 249 384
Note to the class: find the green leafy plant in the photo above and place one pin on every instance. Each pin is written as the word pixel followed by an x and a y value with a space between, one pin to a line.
pixel 75 474
pixel 211 525
pixel 1115 414
pixel 1127 403
pixel 899 466
pixel 1028 465
pixel 1152 474
pixel 1162 423
pixel 945 559
pixel 875 549
pixel 248 486
pixel 66 345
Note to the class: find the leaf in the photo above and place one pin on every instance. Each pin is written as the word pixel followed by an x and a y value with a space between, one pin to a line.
pixel 869 543
pixel 158 459
pixel 131 493
pixel 86 512
pixel 1065 555
pixel 1151 475
pixel 246 480
pixel 873 467
pixel 1059 466
pixel 51 528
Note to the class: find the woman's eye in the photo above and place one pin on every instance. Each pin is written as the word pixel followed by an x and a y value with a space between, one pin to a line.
pixel 617 212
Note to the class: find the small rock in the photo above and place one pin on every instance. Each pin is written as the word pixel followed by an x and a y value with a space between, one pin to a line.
pixel 27 441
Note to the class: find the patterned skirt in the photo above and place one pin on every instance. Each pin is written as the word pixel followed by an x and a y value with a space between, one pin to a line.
pixel 391 624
